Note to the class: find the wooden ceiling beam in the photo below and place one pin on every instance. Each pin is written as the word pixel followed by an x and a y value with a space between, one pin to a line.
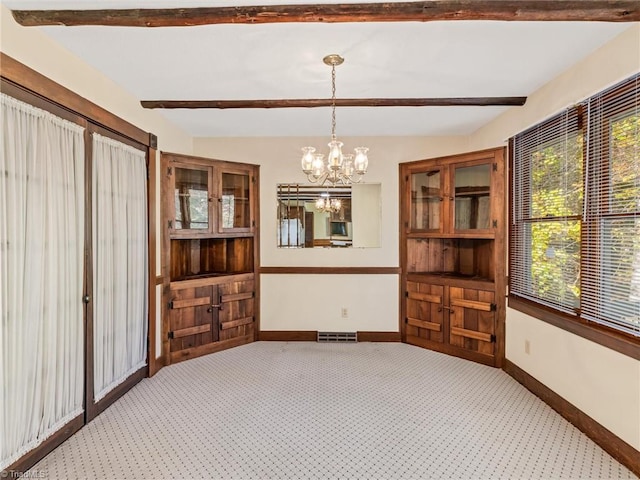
pixel 340 102
pixel 504 10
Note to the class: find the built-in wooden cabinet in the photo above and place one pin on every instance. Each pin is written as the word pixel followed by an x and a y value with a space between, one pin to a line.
pixel 452 254
pixel 210 254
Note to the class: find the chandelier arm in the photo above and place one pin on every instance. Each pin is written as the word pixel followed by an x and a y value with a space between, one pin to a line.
pixel 323 178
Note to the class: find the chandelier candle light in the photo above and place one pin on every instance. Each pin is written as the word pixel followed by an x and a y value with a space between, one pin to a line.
pixel 338 168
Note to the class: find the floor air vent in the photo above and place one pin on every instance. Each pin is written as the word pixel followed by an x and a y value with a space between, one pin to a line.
pixel 337 337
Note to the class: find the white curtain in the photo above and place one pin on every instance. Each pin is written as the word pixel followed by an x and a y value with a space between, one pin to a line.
pixel 41 276
pixel 119 183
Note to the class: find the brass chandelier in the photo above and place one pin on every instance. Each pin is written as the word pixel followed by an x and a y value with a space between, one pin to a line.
pixel 338 168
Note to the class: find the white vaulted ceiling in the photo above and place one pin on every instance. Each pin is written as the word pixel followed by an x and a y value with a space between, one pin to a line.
pixel 284 61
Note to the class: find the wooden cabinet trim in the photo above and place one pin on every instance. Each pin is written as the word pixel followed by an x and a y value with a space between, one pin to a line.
pixel 480 155
pixel 192 302
pixel 451 350
pixel 234 297
pixel 184 332
pixel 463 332
pixel 195 160
pixel 210 348
pixel 416 322
pixel 236 323
pixel 424 297
pixel 484 306
pixel 213 280
pixel 442 280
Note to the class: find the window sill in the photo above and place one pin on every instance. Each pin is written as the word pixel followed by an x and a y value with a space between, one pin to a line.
pixel 620 342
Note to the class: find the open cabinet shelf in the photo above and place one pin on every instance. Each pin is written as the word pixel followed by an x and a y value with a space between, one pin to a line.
pixel 204 257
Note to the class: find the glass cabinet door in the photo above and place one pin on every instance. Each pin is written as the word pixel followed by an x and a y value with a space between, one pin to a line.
pixel 426 200
pixel 472 195
pixel 192 199
pixel 235 200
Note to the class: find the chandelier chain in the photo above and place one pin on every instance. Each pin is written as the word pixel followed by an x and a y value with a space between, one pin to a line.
pixel 333 101
pixel 338 168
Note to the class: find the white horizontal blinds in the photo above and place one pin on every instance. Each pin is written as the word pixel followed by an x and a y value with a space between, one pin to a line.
pixel 611 272
pixel 41 276
pixel 547 206
pixel 120 282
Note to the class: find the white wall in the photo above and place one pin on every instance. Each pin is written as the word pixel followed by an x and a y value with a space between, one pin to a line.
pixel 293 301
pixel 366 214
pixel 602 383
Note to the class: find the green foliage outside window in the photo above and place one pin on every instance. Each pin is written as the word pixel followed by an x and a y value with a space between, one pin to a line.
pixel 556 193
pixel 625 177
pixel 622 233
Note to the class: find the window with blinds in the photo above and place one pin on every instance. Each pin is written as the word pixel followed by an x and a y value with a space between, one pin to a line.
pixel 611 245
pixel 575 216
pixel 547 207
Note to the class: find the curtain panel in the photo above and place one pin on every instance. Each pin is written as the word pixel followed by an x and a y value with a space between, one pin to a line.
pixel 41 276
pixel 120 262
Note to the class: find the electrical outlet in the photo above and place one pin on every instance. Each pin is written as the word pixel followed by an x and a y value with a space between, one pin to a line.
pixel 527 347
pixel 345 312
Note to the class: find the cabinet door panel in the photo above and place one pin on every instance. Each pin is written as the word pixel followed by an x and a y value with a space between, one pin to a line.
pixel 236 213
pixel 472 319
pixel 192 318
pixel 191 203
pixel 427 200
pixel 472 193
pixel 424 311
pixel 237 312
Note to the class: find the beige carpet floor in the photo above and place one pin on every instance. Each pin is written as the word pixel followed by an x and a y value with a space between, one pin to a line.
pixel 276 410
